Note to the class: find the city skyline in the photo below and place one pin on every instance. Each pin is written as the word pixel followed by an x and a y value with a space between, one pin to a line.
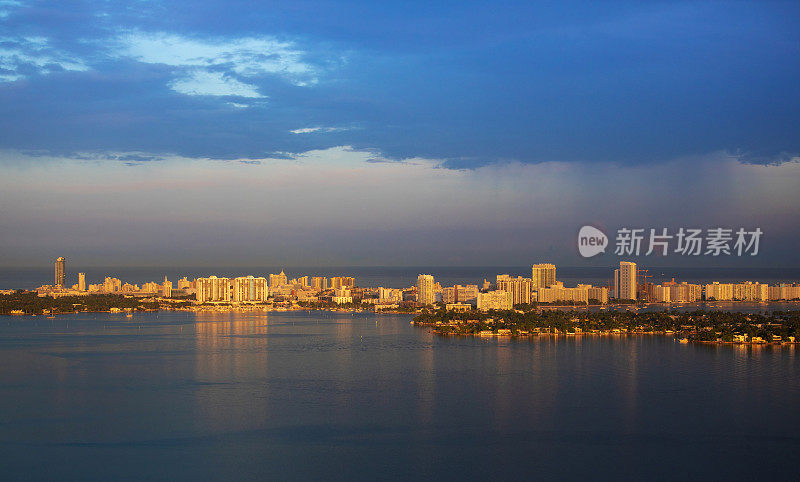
pixel 629 284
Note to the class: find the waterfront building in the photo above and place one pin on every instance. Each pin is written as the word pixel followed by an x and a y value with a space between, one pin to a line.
pixel 598 293
pixel 543 275
pixel 449 295
pixel 749 291
pixel 81 281
pixel 249 289
pixel 390 295
pixel 788 291
pixel 342 295
pixel 661 294
pixel 277 280
pixel 494 300
pixel 306 295
pixel 166 288
pixel 718 291
pixel 625 281
pixel 61 272
pixel 213 289
pixel 112 285
pixel 558 293
pixel 149 287
pixel 425 292
pixel 519 287
pixel 458 307
pixel 682 292
pixel 342 282
pixel 319 283
pixel 460 294
pixel 467 294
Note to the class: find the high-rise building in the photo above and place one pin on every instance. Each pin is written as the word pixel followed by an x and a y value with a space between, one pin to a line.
pixel 277 280
pixel 81 281
pixel 61 272
pixel 543 275
pixel 519 287
pixel 319 283
pixel 719 291
pixel 112 285
pixel 342 282
pixel 166 288
pixel 213 289
pixel 625 281
pixel 425 294
pixel 250 289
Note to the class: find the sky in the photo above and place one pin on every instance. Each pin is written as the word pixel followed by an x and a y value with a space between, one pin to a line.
pixel 313 133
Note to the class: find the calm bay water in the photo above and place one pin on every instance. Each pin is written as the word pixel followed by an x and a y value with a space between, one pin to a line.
pixel 337 395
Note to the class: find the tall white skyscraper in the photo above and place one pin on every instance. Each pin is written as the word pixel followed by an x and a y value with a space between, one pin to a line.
pixel 425 293
pixel 625 281
pixel 543 275
pixel 81 281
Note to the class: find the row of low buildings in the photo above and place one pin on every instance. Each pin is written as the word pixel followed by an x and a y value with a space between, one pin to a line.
pixel 749 291
pixel 508 291
pixel 250 289
pixel 672 292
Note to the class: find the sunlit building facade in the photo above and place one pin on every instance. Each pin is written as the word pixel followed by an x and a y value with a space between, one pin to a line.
pixel 425 293
pixel 625 281
pixel 494 300
pixel 543 275
pixel 61 272
pixel 213 289
pixel 519 287
pixel 249 289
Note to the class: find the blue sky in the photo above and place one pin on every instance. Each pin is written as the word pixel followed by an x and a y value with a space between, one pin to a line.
pixel 552 92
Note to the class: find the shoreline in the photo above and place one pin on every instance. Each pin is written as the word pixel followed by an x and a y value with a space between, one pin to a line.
pixel 608 334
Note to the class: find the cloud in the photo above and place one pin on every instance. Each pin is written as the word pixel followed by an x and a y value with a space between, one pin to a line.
pixel 309 130
pixel 343 208
pixel 7 6
pixel 202 82
pixel 25 56
pixel 765 157
pixel 220 66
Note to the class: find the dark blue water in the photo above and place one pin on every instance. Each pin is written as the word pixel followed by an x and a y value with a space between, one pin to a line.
pixel 304 395
pixel 390 277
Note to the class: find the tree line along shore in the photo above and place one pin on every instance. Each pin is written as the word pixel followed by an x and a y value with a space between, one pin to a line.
pixel 701 326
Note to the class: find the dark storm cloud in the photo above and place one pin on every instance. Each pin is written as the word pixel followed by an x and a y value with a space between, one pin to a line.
pixel 473 83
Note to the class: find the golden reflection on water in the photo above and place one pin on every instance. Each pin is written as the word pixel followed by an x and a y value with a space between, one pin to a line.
pixel 426 385
pixel 230 346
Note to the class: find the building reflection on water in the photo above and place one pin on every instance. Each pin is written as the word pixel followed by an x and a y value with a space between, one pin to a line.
pixel 232 350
